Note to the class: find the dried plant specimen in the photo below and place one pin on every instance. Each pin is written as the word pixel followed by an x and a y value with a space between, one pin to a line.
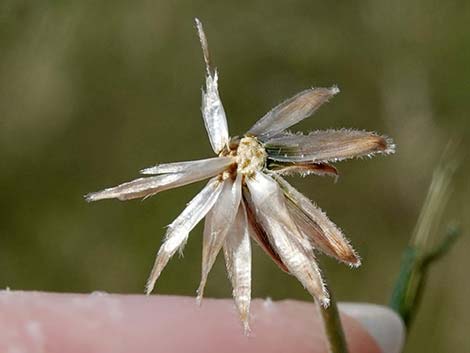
pixel 247 196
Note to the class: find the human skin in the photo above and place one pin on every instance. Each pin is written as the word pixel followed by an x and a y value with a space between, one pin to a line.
pixel 37 322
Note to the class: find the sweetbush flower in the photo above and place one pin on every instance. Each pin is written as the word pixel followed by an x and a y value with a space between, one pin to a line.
pixel 247 196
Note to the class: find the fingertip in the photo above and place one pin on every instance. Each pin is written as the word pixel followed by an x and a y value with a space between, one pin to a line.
pixel 382 323
pixel 79 323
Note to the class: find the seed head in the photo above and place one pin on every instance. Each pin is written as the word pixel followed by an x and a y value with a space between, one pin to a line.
pixel 247 197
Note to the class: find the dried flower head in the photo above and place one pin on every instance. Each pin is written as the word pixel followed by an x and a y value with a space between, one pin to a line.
pixel 247 197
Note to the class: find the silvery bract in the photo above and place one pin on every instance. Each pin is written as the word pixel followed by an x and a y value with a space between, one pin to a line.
pixel 247 196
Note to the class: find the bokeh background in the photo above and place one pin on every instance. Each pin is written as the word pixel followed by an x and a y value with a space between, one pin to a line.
pixel 91 92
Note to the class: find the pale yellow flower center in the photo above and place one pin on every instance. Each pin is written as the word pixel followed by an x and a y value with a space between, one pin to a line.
pixel 250 156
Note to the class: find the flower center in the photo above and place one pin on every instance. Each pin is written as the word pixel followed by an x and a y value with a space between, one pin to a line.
pixel 251 156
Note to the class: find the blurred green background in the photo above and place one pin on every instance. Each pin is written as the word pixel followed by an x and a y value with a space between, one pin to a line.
pixel 90 92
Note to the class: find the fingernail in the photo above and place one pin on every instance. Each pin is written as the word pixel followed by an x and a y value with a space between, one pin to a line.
pixel 382 323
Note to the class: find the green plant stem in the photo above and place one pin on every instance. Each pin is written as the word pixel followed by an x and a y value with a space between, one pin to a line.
pixel 333 327
pixel 420 253
pixel 411 282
